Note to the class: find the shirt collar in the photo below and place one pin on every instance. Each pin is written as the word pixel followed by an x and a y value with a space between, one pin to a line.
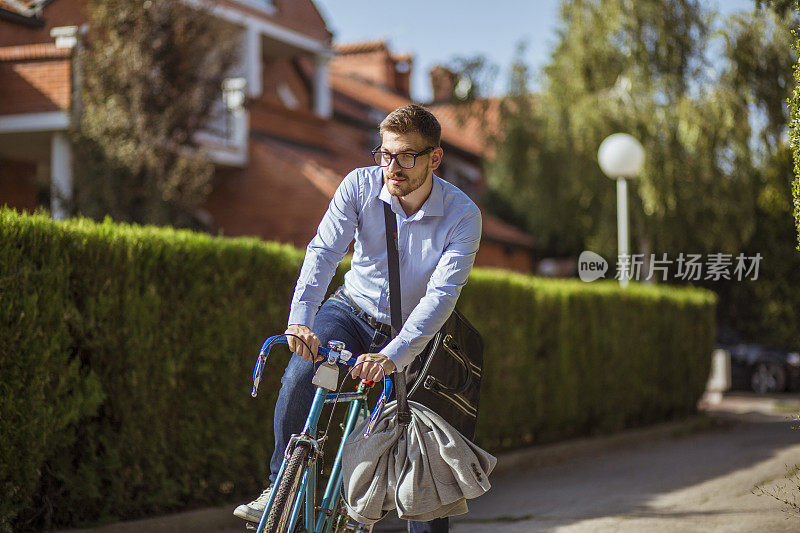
pixel 433 206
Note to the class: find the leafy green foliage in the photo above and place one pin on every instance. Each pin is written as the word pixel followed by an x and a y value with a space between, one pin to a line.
pixel 717 173
pixel 126 357
pixel 794 133
pixel 758 49
pixel 151 72
pixel 781 7
pixel 760 56
pixel 127 354
pixel 44 391
pixel 474 79
pixel 642 68
pixel 528 180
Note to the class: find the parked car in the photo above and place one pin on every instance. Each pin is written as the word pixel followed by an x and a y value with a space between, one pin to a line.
pixel 761 368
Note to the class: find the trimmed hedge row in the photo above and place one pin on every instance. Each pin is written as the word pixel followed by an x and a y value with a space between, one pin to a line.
pixel 127 352
pixel 125 367
pixel 565 358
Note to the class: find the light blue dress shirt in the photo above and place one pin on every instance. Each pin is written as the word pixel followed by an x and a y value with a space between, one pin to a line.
pixel 437 247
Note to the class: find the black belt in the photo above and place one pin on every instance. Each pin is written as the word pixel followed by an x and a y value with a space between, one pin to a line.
pixel 373 322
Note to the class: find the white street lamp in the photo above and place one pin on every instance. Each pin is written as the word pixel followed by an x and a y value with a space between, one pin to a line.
pixel 621 157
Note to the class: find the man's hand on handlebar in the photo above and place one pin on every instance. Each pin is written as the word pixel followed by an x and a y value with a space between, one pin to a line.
pixel 308 337
pixel 372 367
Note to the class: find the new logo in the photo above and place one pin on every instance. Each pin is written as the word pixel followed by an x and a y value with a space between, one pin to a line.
pixel 591 266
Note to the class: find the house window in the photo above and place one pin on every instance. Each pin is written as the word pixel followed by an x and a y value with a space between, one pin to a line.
pixel 287 97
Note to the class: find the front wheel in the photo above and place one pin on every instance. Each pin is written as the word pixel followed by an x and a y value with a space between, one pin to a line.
pixel 286 492
pixel 768 377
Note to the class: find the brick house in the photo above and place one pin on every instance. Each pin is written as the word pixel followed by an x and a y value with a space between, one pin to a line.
pixel 311 115
pixel 38 86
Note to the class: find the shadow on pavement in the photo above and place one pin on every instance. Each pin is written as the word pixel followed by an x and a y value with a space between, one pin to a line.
pixel 639 481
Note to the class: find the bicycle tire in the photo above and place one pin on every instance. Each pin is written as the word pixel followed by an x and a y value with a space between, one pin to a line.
pixel 285 493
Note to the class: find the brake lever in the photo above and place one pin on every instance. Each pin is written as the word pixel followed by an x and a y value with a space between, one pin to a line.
pixel 376 412
pixel 259 368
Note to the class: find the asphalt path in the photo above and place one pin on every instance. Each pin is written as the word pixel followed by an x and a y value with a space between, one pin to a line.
pixel 706 480
pixel 707 474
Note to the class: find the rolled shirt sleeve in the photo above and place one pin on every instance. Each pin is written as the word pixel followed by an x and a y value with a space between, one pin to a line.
pixel 441 293
pixel 325 251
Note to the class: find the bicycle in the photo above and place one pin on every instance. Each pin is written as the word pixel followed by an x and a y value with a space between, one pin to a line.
pixel 291 505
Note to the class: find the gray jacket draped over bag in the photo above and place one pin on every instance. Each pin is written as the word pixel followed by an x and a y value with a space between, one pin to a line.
pixel 426 471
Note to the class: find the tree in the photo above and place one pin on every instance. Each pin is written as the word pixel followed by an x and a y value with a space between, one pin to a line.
pixel 151 72
pixel 782 8
pixel 641 68
pixel 525 182
pixel 758 48
pixel 474 78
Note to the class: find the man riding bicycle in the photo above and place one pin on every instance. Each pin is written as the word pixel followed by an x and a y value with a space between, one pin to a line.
pixel 438 235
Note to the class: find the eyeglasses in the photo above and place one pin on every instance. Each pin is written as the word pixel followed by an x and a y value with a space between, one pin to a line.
pixel 405 160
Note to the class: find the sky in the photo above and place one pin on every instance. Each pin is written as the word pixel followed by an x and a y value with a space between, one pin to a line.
pixel 436 31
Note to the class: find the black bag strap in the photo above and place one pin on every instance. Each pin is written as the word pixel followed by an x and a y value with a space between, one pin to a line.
pixel 403 412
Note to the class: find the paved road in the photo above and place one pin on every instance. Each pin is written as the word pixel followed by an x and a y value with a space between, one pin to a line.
pixel 678 478
pixel 699 482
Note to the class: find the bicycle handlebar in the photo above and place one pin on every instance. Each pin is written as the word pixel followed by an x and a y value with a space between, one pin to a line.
pixel 335 353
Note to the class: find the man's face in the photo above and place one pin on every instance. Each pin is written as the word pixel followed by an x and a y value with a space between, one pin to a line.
pixel 403 181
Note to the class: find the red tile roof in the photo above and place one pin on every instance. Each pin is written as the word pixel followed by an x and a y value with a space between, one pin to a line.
pixel 496 230
pixel 368 47
pixel 33 51
pixel 247 202
pixel 478 122
pixel 324 179
pixel 361 48
pixel 387 101
pixel 36 83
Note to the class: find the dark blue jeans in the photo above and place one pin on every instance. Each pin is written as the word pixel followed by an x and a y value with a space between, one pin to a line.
pixel 336 320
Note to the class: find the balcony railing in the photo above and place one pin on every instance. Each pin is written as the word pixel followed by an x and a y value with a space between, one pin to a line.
pixel 225 134
pixel 221 124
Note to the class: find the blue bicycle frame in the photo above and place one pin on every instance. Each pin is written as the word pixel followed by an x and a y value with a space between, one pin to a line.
pixel 320 519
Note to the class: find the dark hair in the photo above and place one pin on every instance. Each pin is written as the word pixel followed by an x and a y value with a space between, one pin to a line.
pixel 413 118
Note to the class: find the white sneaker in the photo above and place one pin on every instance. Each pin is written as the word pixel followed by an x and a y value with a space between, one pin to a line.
pixel 252 511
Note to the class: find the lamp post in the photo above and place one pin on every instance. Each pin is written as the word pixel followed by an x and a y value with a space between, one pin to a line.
pixel 621 157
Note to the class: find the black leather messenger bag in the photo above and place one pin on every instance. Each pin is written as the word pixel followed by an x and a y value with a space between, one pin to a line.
pixel 446 376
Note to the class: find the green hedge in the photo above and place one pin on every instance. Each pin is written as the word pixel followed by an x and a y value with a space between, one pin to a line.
pixel 127 352
pixel 566 358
